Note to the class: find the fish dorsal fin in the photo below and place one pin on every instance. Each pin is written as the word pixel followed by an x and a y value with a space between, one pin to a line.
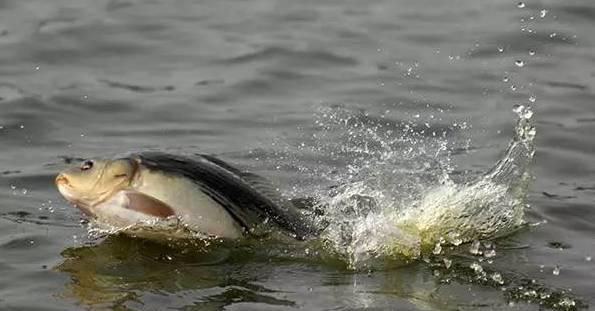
pixel 266 188
pixel 258 183
pixel 250 199
pixel 285 213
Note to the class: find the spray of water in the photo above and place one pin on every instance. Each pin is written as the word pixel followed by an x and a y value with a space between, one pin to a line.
pixel 396 198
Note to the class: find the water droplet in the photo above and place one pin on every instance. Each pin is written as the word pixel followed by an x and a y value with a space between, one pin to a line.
pixel 553 34
pixel 531 52
pixel 447 263
pixel 489 253
pixel 567 303
pixel 437 249
pixel 588 258
pixel 505 79
pixel 519 63
pixel 22 126
pixel 543 13
pixel 497 277
pixel 513 87
pixel 455 239
pixel 474 249
pixel 477 268
pixel 520 5
pixel 531 133
pixel 532 98
pixel 500 49
pixel 556 270
pixel 37 67
pixel 522 111
pixel 544 296
pixel 530 293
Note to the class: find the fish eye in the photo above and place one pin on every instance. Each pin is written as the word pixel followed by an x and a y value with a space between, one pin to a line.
pixel 87 165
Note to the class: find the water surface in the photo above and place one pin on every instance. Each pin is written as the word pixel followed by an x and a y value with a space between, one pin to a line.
pixel 250 81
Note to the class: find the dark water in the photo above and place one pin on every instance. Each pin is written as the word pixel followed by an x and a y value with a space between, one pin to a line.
pixel 247 80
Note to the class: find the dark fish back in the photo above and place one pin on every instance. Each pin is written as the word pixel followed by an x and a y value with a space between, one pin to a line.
pixel 248 198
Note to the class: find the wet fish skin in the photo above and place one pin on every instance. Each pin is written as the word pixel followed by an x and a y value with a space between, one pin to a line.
pixel 207 194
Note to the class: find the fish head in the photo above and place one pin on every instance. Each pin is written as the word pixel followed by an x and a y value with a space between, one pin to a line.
pixel 94 181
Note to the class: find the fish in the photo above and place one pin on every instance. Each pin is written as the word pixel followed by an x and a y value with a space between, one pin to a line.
pixel 203 192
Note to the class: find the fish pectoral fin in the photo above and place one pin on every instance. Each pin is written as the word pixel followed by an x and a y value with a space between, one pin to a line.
pixel 147 204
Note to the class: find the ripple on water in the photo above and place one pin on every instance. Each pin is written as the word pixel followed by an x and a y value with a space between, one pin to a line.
pixel 136 88
pixel 22 242
pixel 584 12
pixel 293 58
pixel 521 43
pixel 278 61
pixel 9 92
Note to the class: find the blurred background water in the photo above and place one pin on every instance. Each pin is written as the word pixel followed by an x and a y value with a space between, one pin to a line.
pixel 242 79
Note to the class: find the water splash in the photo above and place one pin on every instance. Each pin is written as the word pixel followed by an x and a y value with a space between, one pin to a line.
pixel 396 199
pixel 165 230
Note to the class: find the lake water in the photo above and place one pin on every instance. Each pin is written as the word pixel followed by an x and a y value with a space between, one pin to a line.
pixel 262 84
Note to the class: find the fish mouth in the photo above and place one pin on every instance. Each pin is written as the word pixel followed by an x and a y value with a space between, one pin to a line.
pixel 64 187
pixel 65 190
pixel 61 180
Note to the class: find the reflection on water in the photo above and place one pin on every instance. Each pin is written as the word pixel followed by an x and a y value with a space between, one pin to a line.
pixel 120 269
pixel 121 272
